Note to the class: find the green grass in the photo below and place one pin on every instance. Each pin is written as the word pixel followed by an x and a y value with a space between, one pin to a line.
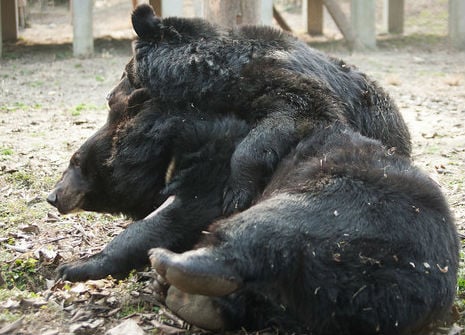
pixel 6 152
pixel 19 106
pixel 21 274
pixel 82 107
pixel 99 78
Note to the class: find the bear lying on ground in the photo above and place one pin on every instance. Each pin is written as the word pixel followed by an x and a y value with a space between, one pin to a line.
pixel 122 171
pixel 346 239
pixel 261 75
pixel 123 168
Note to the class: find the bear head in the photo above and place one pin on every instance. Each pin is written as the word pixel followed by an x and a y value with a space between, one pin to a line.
pixel 121 168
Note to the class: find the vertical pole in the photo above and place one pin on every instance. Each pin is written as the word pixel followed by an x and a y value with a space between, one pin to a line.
pixel 1 38
pixel 395 16
pixel 231 13
pixel 172 7
pixel 198 8
pixel 363 22
pixel 165 8
pixel 457 23
pixel 313 16
pixel 83 39
pixel 157 6
pixel 9 20
pixel 266 17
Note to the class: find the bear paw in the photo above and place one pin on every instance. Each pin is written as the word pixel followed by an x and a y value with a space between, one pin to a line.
pixel 198 310
pixel 236 198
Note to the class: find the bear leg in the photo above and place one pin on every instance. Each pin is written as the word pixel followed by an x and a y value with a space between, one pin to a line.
pixel 199 310
pixel 196 272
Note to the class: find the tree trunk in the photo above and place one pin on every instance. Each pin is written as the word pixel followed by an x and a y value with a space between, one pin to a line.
pixel 231 13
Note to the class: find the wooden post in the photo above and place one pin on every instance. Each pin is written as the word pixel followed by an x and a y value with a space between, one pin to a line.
pixel 198 8
pixel 1 38
pixel 167 8
pixel 363 14
pixel 266 11
pixel 395 16
pixel 231 13
pixel 457 23
pixel 9 20
pixel 157 6
pixel 83 39
pixel 313 16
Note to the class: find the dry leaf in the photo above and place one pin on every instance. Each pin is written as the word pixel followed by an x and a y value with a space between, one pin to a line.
pixel 128 326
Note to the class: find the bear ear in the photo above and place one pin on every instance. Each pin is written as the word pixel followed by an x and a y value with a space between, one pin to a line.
pixel 146 25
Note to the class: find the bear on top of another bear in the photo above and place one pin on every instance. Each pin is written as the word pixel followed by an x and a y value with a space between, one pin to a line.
pixel 278 85
pixel 266 77
pixel 123 167
pixel 347 237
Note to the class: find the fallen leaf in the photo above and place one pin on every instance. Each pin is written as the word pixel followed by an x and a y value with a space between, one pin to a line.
pixel 128 326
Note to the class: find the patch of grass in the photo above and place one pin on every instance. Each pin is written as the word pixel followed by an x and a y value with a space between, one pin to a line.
pixel 19 106
pixel 36 84
pixel 82 107
pixel 7 316
pixel 6 151
pixel 21 178
pixel 99 78
pixel 130 309
pixel 22 274
pixel 460 298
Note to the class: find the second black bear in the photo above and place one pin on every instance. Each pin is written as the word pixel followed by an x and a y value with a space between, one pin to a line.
pixel 264 76
pixel 347 239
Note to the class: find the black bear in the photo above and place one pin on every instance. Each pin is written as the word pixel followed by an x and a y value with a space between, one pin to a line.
pixel 125 166
pixel 121 169
pixel 346 239
pixel 261 75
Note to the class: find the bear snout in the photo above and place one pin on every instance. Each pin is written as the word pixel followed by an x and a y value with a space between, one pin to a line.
pixel 52 198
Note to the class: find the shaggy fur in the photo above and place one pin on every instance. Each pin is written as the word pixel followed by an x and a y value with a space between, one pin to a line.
pixel 266 77
pixel 347 239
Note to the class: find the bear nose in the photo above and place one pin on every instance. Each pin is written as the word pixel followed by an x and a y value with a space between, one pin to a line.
pixel 52 199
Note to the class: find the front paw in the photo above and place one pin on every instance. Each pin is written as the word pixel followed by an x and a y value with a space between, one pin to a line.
pixel 75 271
pixel 236 198
pixel 92 268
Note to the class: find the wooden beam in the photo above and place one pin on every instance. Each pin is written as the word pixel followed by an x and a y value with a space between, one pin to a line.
pixel 280 20
pixel 83 39
pixel 314 16
pixel 395 16
pixel 9 20
pixel 343 24
pixel 457 24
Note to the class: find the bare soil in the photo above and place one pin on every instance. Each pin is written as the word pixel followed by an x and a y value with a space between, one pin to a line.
pixel 50 103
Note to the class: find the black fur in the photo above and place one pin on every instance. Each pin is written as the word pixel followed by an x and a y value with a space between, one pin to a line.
pixel 347 239
pixel 261 75
pixel 122 168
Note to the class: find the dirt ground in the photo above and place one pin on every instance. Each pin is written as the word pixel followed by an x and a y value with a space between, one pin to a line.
pixel 50 103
